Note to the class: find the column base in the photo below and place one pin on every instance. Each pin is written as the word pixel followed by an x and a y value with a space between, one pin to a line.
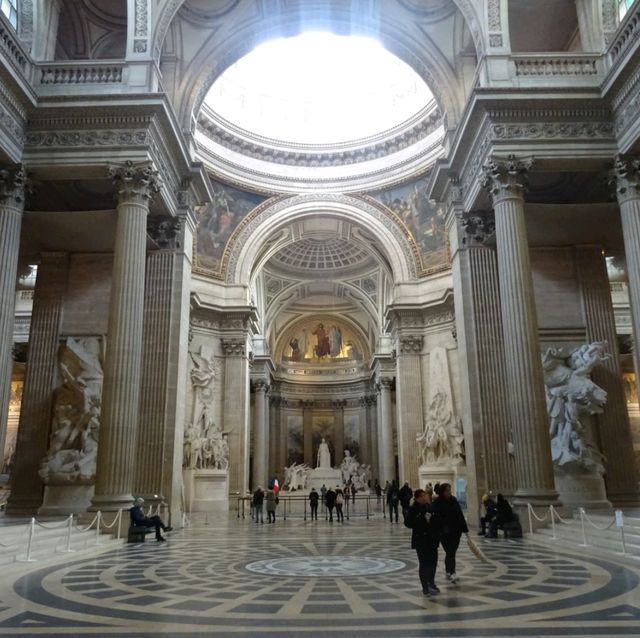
pixel 23 506
pixel 624 499
pixel 110 503
pixel 537 497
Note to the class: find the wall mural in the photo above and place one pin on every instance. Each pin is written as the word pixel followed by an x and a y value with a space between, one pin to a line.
pixel 423 218
pixel 319 340
pixel 295 439
pixel 352 434
pixel 216 223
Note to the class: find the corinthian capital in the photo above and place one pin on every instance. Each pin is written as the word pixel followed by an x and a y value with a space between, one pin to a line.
pixel 505 178
pixel 12 187
pixel 625 178
pixel 134 183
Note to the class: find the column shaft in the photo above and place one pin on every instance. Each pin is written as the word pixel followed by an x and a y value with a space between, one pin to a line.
pixel 307 433
pixel 260 443
pixel 121 391
pixel 339 434
pixel 40 383
pixel 522 349
pixel 385 439
pixel 613 425
pixel 11 207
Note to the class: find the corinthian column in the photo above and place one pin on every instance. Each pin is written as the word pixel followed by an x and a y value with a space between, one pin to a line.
pixel 135 185
pixel 386 458
pixel 261 434
pixel 625 176
pixel 505 181
pixel 11 207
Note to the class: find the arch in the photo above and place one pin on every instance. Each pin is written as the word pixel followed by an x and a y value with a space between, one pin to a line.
pixel 248 240
pixel 226 45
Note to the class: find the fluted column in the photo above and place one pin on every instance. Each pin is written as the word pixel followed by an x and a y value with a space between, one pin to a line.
pixel 625 176
pixel 135 185
pixel 274 435
pixel 11 208
pixel 40 382
pixel 307 433
pixel 613 424
pixel 261 434
pixel 385 432
pixel 338 412
pixel 410 421
pixel 372 435
pixel 505 181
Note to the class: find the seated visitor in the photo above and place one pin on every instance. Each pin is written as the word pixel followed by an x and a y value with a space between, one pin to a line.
pixel 138 519
pixel 490 512
pixel 504 517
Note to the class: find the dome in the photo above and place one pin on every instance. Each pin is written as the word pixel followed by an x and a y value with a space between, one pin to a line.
pixel 321 254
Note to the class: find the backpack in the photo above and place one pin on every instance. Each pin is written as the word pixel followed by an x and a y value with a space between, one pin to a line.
pixel 339 499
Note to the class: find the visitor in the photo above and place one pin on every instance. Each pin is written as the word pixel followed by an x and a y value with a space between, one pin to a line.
pixel 354 491
pixel 314 497
pixel 272 504
pixel 330 502
pixel 490 512
pixel 138 519
pixel 258 502
pixel 453 525
pixel 377 488
pixel 405 498
pixel 504 515
pixel 393 498
pixel 323 491
pixel 339 504
pixel 425 535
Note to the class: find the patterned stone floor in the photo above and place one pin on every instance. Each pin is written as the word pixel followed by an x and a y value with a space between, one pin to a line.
pixel 295 578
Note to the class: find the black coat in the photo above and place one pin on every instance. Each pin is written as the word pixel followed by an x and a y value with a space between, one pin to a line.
pixel 330 498
pixel 405 495
pixel 425 526
pixel 451 517
pixel 314 497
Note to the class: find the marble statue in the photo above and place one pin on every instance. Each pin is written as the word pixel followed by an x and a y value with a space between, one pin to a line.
pixel 206 369
pixel 73 446
pixel 296 476
pixel 205 445
pixel 353 472
pixel 441 441
pixel 571 397
pixel 323 459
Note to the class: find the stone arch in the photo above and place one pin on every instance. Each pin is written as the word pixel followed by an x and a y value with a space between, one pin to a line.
pixel 247 243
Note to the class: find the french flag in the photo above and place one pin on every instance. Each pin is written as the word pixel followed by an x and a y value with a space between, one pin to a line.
pixel 276 486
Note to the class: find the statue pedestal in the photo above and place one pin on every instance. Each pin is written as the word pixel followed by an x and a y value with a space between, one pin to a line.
pixel 62 500
pixel 326 476
pixel 581 490
pixel 438 474
pixel 206 490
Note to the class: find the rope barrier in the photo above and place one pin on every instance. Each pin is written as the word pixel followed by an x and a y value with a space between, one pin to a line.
pixel 601 529
pixel 88 527
pixel 61 525
pixel 115 520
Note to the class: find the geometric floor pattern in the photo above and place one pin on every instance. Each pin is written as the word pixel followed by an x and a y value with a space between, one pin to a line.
pixel 304 579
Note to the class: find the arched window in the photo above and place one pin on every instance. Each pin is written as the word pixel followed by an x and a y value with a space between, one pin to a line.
pixel 623 7
pixel 10 9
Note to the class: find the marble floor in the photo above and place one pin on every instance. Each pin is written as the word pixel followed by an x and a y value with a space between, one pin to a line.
pixel 295 578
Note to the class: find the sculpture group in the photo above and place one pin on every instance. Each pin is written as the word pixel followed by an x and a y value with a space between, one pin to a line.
pixel 73 448
pixel 572 397
pixel 441 441
pixel 205 445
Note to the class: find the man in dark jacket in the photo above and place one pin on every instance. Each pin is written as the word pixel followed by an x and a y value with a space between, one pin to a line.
pixel 393 498
pixel 258 503
pixel 454 525
pixel 330 502
pixel 314 497
pixel 405 498
pixel 425 534
pixel 138 519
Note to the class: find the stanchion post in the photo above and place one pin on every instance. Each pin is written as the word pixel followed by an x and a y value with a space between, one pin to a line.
pixel 584 533
pixel 32 531
pixel 367 508
pixel 530 518
pixel 70 527
pixel 119 524
pixel 98 517
pixel 305 509
pixel 285 509
pixel 553 522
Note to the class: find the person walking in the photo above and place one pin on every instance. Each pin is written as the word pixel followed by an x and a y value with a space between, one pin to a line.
pixel 453 525
pixel 425 536
pixel 393 498
pixel 258 502
pixel 314 497
pixel 330 502
pixel 405 494
pixel 339 505
pixel 272 504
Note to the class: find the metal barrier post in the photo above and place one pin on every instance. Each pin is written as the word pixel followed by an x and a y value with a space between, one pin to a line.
pixel 32 531
pixel 553 522
pixel 68 549
pixel 367 508
pixel 530 518
pixel 584 533
pixel 347 509
pixel 305 509
pixel 285 509
pixel 119 524
pixel 238 506
pixel 98 517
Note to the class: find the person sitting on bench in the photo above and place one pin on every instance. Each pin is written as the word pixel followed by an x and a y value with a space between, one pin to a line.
pixel 138 519
pixel 504 519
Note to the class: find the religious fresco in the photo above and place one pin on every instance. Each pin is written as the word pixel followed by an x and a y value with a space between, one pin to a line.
pixel 352 434
pixel 322 340
pixel 216 223
pixel 322 427
pixel 295 439
pixel 423 218
pixel 15 401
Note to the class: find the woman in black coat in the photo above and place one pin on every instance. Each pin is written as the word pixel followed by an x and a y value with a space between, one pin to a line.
pixel 453 526
pixel 425 536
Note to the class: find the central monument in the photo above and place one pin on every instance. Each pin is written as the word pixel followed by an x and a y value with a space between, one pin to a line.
pixel 323 473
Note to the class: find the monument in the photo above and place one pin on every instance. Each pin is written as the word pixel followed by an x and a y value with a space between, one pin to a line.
pixel 323 473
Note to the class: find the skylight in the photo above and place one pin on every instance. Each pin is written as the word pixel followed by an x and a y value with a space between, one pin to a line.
pixel 318 88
